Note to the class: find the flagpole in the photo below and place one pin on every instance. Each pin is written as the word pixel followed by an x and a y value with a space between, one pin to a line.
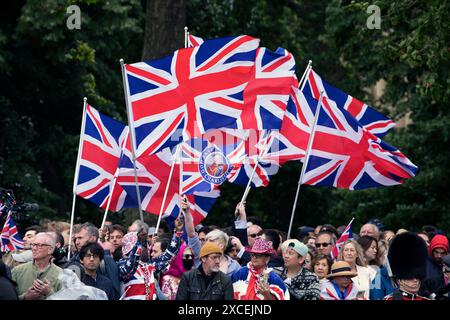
pixel 305 163
pixel 132 136
pixel 186 34
pixel 308 67
pixel 113 182
pixel 247 189
pixel 176 154
pixel 75 178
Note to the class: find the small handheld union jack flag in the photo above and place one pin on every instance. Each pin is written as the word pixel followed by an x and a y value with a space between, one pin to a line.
pixel 346 235
pixel 10 237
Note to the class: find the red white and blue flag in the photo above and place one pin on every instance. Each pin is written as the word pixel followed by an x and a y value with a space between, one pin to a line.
pixel 183 95
pixel 347 234
pixel 206 166
pixel 101 149
pixel 11 239
pixel 372 120
pixel 194 41
pixel 222 83
pixel 346 155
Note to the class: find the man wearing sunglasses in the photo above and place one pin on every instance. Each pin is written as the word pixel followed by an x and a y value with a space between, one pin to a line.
pixel 39 278
pixel 324 243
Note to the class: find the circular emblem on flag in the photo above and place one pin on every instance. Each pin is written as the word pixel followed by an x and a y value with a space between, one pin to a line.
pixel 214 166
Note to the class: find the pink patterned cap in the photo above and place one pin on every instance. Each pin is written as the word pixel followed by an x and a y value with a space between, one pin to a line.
pixel 128 242
pixel 261 246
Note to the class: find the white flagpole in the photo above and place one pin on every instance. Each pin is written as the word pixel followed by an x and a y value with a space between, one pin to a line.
pixel 305 163
pixel 301 84
pixel 75 178
pixel 113 182
pixel 247 189
pixel 132 136
pixel 186 35
pixel 176 155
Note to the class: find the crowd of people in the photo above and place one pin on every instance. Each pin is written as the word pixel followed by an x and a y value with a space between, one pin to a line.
pixel 241 262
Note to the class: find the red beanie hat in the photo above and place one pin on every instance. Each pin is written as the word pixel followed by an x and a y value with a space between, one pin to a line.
pixel 439 241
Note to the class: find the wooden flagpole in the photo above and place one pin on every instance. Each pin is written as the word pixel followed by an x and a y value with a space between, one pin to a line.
pixel 75 178
pixel 132 134
pixel 113 182
pixel 177 155
pixel 305 163
pixel 247 189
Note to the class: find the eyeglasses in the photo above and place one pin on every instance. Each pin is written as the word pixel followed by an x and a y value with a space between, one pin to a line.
pixel 325 244
pixel 188 256
pixel 91 255
pixel 39 245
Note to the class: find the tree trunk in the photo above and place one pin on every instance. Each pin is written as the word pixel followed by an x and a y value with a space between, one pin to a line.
pixel 164 28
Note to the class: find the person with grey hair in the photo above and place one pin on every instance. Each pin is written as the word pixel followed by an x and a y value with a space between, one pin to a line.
pixel 138 226
pixel 370 229
pixel 39 278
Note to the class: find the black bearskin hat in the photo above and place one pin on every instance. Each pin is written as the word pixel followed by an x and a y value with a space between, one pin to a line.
pixel 408 256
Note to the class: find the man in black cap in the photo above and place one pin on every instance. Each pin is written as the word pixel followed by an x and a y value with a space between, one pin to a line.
pixel 407 258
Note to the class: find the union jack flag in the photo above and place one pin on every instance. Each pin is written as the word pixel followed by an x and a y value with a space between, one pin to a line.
pixel 267 93
pixel 195 166
pixel 195 89
pixel 347 234
pixel 194 41
pixel 371 119
pixel 11 239
pixel 345 155
pixel 101 149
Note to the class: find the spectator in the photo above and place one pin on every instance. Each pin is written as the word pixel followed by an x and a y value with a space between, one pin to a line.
pixel 59 254
pixel 18 257
pixel 138 226
pixel 322 266
pixel 138 271
pixel 91 254
pixel 273 237
pixel 227 264
pixel 116 234
pixel 381 285
pixel 206 282
pixel 387 236
pixel 308 260
pixel 439 286
pixel 252 233
pixel 340 285
pixel 257 282
pixel 63 228
pixel 352 253
pixel 369 229
pixel 39 278
pixel 324 242
pixel 407 258
pixel 202 232
pixel 302 283
pixel 330 229
pixel 437 250
pixel 7 286
pixel 87 232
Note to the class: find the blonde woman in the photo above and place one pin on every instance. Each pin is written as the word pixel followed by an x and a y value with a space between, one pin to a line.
pixel 353 254
pixel 227 264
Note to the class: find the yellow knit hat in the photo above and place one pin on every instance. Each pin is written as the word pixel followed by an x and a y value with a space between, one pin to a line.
pixel 209 248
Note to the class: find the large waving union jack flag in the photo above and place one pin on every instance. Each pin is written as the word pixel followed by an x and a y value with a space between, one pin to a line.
pixel 193 90
pixel 101 149
pixel 267 93
pixel 345 155
pixel 371 119
pixel 10 237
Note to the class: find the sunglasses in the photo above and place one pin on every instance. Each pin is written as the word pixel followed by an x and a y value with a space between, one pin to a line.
pixel 188 256
pixel 253 235
pixel 318 245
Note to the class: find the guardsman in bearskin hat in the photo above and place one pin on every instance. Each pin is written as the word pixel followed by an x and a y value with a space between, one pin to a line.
pixel 407 258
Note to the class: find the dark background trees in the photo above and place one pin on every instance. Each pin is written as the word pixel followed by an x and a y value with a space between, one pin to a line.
pixel 46 69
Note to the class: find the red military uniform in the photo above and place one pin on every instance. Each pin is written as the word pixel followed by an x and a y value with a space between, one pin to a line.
pixel 399 294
